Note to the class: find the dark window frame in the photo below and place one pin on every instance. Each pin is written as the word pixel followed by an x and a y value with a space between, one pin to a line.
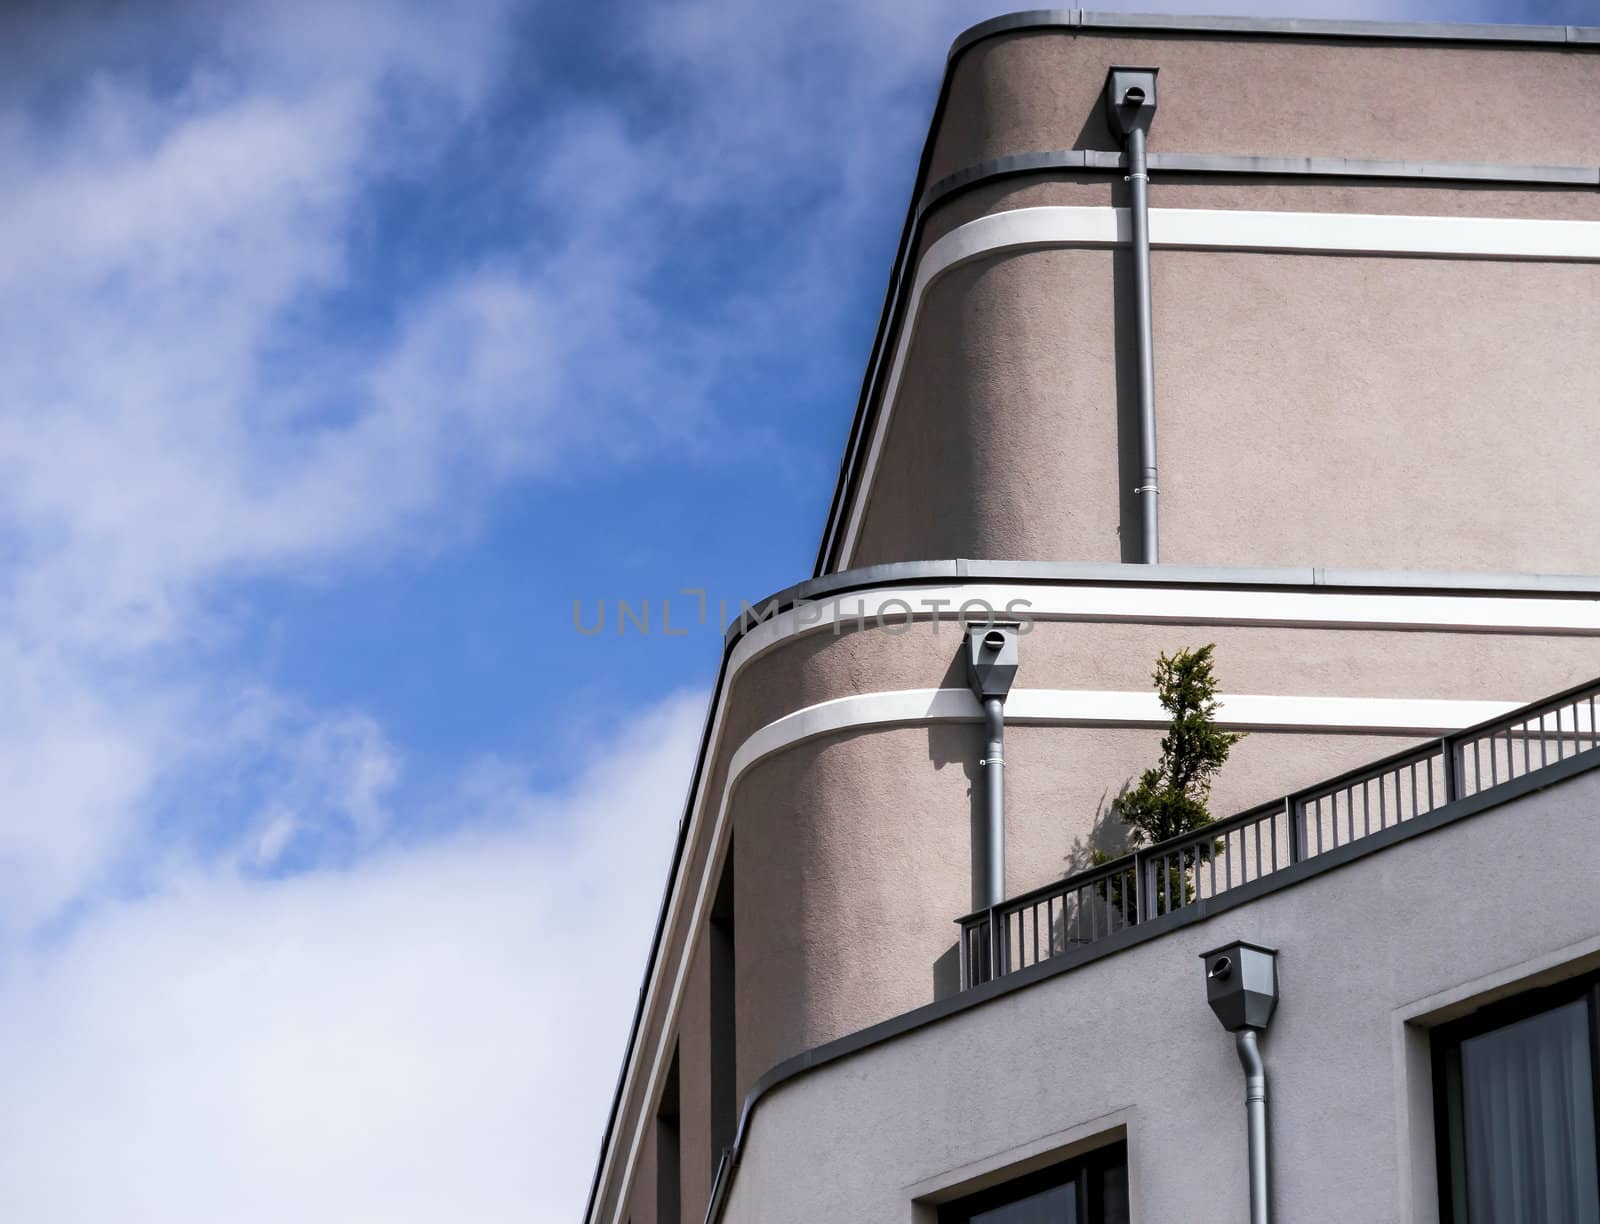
pixel 1079 1170
pixel 1446 1040
pixel 669 1149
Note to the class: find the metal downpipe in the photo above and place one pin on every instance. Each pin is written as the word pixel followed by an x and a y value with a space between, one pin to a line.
pixel 991 668
pixel 994 801
pixel 1255 1103
pixel 1139 213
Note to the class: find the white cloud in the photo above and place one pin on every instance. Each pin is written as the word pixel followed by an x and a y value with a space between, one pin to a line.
pixel 425 1036
pixel 194 179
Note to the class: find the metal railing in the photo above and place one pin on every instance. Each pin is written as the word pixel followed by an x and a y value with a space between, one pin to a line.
pixel 1089 906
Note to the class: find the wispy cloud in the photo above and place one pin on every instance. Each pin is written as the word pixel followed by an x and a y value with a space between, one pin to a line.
pixel 250 972
pixel 164 221
pixel 425 1035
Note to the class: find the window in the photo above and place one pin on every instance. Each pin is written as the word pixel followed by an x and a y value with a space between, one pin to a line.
pixel 724 1020
pixel 1517 1090
pixel 1090 1190
pixel 669 1188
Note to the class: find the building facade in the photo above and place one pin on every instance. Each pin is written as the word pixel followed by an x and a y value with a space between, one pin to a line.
pixel 1314 377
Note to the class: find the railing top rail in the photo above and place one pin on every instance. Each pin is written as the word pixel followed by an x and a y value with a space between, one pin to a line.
pixel 1122 863
pixel 1217 828
pixel 1406 756
pixel 1078 879
pixel 1417 753
pixel 1531 710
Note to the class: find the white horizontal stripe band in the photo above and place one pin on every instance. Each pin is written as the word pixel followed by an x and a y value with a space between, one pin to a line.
pixel 1098 708
pixel 1056 226
pixel 888 610
pixel 1239 606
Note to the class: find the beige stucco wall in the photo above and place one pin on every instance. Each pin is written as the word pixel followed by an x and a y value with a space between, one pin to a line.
pixel 1367 953
pixel 1384 412
pixel 1042 90
pixel 1264 193
pixel 1005 349
pixel 1120 655
pixel 1416 413
pixel 854 851
pixel 860 849
pixel 1293 391
pixel 697 1161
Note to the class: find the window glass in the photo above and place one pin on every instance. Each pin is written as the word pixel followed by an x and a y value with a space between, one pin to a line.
pixel 1058 1205
pixel 1114 1193
pixel 1527 1099
pixel 1090 1190
pixel 1516 1110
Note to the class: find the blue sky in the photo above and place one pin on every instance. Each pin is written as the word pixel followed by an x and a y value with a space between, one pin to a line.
pixel 346 346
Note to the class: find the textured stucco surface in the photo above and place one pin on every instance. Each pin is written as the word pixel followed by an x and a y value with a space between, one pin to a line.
pixel 854 852
pixel 1385 412
pixel 1119 656
pixel 1028 91
pixel 1392 413
pixel 1264 193
pixel 858 852
pixel 696 1162
pixel 1005 438
pixel 1013 433
pixel 1360 949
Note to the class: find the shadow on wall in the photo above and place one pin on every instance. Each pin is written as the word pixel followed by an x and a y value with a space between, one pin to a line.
pixel 1096 134
pixel 1108 834
pixel 1126 356
pixel 960 744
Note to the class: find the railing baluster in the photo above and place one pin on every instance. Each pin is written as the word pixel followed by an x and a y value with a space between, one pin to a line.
pixel 1130 892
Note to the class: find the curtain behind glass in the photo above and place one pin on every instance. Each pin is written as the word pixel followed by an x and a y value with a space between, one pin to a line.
pixel 1114 1195
pixel 1528 1106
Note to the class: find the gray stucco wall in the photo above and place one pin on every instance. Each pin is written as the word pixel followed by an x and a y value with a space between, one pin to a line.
pixel 1369 954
